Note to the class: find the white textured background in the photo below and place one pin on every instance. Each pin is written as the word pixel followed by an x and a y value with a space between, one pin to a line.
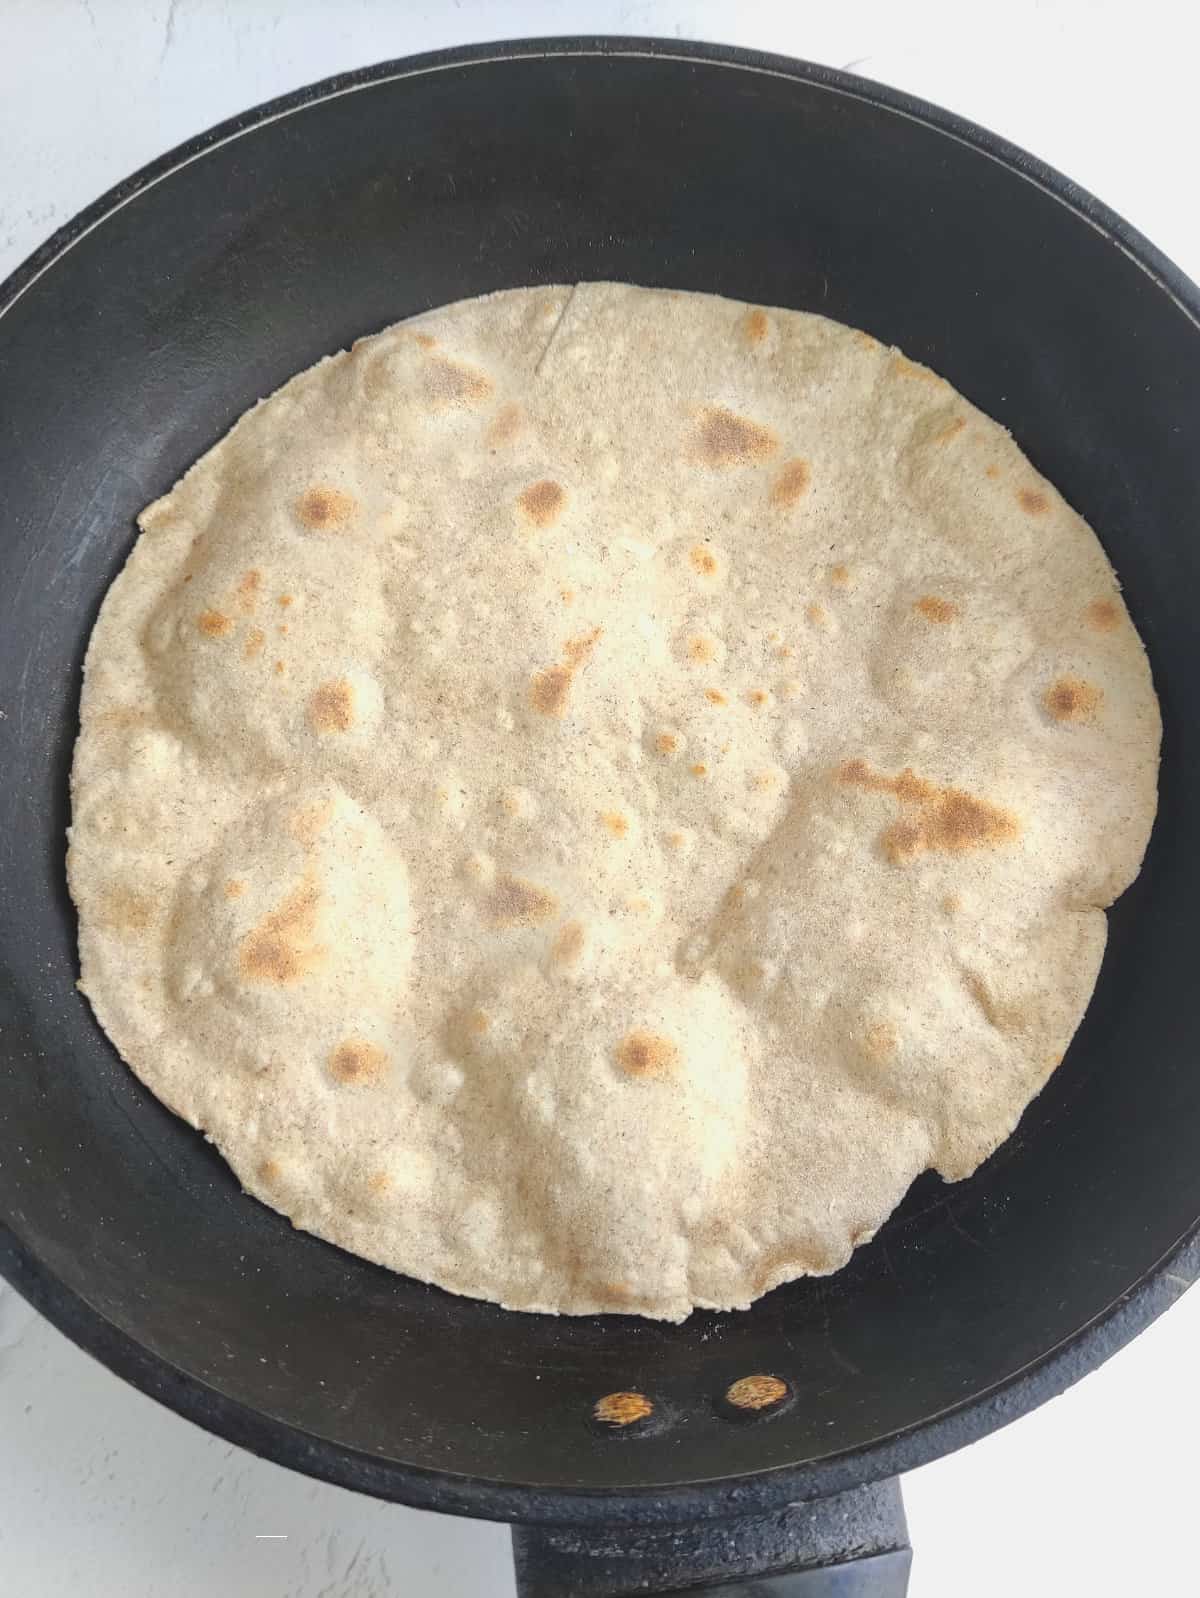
pixel 105 1495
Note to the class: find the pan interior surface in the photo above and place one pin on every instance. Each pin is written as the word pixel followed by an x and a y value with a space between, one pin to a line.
pixel 137 347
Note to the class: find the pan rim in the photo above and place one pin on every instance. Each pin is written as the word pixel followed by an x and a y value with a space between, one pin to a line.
pixel 771 1487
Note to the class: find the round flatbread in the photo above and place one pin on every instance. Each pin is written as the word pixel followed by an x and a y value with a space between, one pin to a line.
pixel 586 794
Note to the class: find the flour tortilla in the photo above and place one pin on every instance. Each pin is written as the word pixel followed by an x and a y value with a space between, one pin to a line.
pixel 586 794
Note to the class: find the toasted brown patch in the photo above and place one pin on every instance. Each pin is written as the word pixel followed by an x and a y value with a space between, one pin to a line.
pixel 725 439
pixel 756 1392
pixel 666 743
pixel 839 576
pixel 1102 615
pixel 215 624
pixel 357 1062
pixel 791 483
pixel 704 561
pixel 622 1409
pixel 478 1022
pixel 760 698
pixel 935 609
pixel 234 888
pixel 568 947
pixel 287 599
pixel 951 430
pixel 426 340
pixel 248 590
pixel 765 781
pixel 504 426
pixel 542 502
pixel 331 707
pixel 307 824
pixel 255 641
pixel 280 668
pixel 447 384
pixel 699 769
pixel 516 902
pixel 379 1182
pixel 270 1171
pixel 755 326
pixel 881 1042
pixel 903 367
pixel 951 904
pixel 615 823
pixel 1072 699
pixel 702 650
pixel 127 911
pixel 817 614
pixel 577 650
pixel 280 950
pixel 715 696
pixel 946 820
pixel 325 510
pixel 677 840
pixel 644 1053
pixel 550 690
pixel 1033 501
pixel 992 470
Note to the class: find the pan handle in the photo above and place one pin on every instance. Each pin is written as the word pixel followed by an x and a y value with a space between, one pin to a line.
pixel 852 1545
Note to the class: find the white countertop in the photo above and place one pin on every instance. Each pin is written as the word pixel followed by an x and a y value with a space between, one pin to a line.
pixel 105 1495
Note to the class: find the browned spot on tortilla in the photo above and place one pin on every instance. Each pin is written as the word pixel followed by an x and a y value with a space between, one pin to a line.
pixel 255 640
pixel 715 696
pixel 881 1042
pixel 248 590
pixel 567 948
pixel 992 471
pixel 951 430
pixel 765 781
pixel 478 1022
pixel 280 668
pixel 447 383
pixel 758 697
pixel 755 326
pixel 306 825
pixel 577 650
pixel 702 649
pixel 504 426
pixel 935 609
pixel 839 576
pixel 426 340
pixel 645 1053
pixel 542 502
pixel 704 561
pixel 725 439
pixel 1072 699
pixel 699 769
pixel 903 367
pixel 622 1409
pixel 677 840
pixel 331 707
pixel 756 1392
pixel 792 482
pixel 785 652
pixel 280 950
pixel 1033 501
pixel 952 904
pixel 946 820
pixel 270 1171
pixel 214 623
pixel 287 599
pixel 283 629
pixel 550 690
pixel 127 911
pixel 325 510
pixel 1102 615
pixel 358 1062
pixel 234 888
pixel 379 1182
pixel 817 614
pixel 666 743
pixel 615 823
pixel 866 339
pixel 516 902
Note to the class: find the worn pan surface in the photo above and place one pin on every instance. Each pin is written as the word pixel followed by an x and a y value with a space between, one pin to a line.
pixel 134 339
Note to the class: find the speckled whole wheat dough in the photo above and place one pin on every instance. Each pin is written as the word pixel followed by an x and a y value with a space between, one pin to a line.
pixel 585 795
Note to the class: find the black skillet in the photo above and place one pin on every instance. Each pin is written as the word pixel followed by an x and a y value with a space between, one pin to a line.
pixel 132 340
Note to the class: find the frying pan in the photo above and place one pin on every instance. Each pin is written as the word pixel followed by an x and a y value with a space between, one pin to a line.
pixel 131 342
